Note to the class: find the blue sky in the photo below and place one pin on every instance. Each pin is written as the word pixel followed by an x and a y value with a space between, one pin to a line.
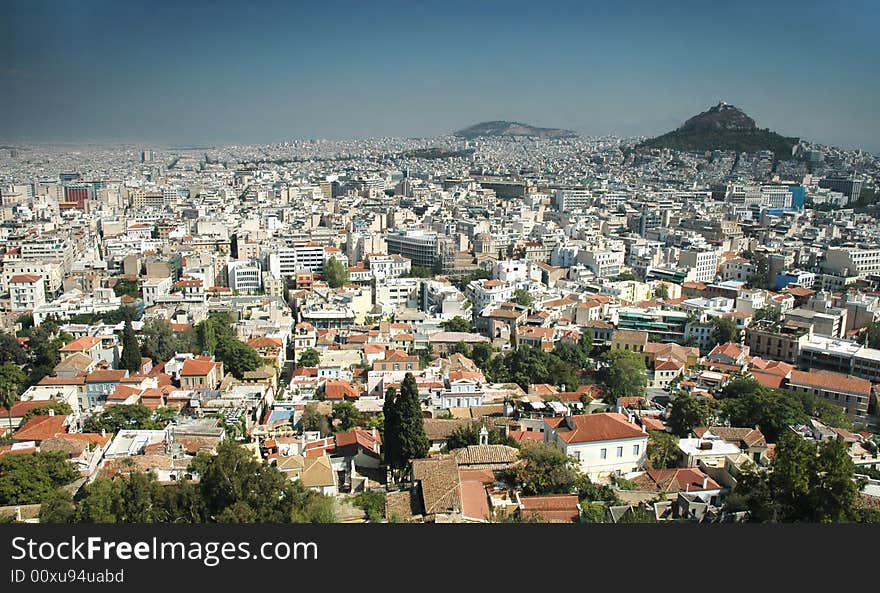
pixel 227 72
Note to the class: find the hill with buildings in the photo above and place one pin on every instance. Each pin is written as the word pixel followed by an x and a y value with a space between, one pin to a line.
pixel 723 127
pixel 512 129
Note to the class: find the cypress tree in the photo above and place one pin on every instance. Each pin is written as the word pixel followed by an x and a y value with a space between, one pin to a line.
pixel 413 441
pixel 391 440
pixel 131 351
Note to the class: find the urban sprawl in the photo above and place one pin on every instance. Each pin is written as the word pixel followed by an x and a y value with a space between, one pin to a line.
pixel 462 329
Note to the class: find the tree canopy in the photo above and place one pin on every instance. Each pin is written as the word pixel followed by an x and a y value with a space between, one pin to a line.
pixel 233 487
pixel 11 350
pixel 126 286
pixel 457 324
pixel 806 482
pixel 309 358
pixel 160 342
pixel 624 374
pixel 122 417
pixel 523 297
pixel 335 273
pixel 217 336
pixel 662 450
pixel 724 330
pixel 689 412
pixel 526 365
pixel 28 478
pixel 545 470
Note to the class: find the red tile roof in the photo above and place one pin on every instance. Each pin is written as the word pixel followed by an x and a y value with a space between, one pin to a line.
pixel 40 428
pixel 830 381
pixel 590 428
pixel 81 344
pixel 197 367
pixel 553 508
pixel 25 279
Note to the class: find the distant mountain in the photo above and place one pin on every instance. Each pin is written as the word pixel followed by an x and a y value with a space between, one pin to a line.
pixel 512 128
pixel 723 127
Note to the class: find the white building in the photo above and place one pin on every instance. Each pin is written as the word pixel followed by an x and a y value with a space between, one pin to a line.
pixel 302 256
pixel 384 266
pixel 398 292
pixel 849 261
pixel 603 263
pixel 485 292
pixel 244 276
pixel 26 292
pixel 704 262
pixel 603 445
pixel 567 200
pixel 154 288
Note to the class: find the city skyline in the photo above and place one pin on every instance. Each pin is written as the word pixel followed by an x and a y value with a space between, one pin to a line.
pixel 216 73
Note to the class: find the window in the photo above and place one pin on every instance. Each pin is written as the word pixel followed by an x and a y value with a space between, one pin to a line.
pixel 603 453
pixel 636 450
pixel 620 451
pixel 577 455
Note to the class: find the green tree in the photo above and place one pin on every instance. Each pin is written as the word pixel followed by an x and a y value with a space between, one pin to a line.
pixel 309 358
pixel 122 417
pixel 100 503
pixel 413 441
pixel 805 483
pixel 11 380
pixel 457 324
pixel 545 469
pixel 57 507
pixel 662 450
pixel 623 375
pixel 335 273
pixel 724 330
pixel 827 412
pixel 377 421
pixel 748 403
pixel 661 292
pixel 233 477
pixel 373 504
pixel 462 348
pixel 481 352
pixel 28 478
pixel 527 365
pixel 589 491
pixel 688 413
pixel 391 447
pixel 572 353
pixel 236 356
pixel 314 420
pixel 593 512
pixel 127 286
pixel 59 408
pixel 420 272
pixel 871 336
pixel 760 277
pixel 585 341
pixel 523 297
pixel 131 351
pixel 160 343
pixel 11 350
pixel 347 415
pixel 405 437
pixel 768 313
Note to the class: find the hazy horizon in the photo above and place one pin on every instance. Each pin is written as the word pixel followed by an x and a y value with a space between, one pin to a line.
pixel 217 73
